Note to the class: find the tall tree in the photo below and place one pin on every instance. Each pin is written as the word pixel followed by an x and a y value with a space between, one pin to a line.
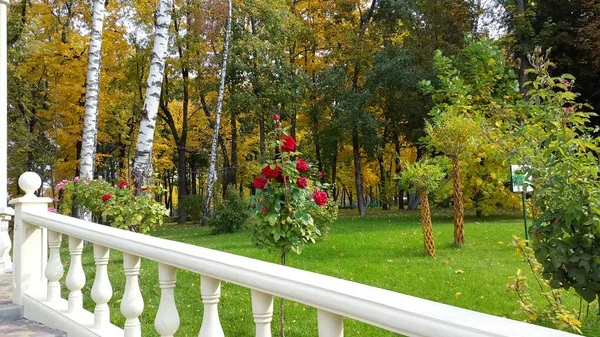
pixel 212 172
pixel 142 167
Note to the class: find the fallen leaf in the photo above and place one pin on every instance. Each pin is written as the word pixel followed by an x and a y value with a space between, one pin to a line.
pixel 459 271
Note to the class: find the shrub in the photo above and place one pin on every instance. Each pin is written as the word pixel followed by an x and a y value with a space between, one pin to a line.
pixel 323 216
pixel 193 206
pixel 231 214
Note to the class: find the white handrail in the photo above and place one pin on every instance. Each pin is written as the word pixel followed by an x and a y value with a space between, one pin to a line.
pixel 396 312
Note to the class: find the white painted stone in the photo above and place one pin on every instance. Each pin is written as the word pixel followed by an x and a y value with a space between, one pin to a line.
pixel 132 304
pixel 262 310
pixel 6 214
pixel 75 276
pixel 210 289
pixel 101 290
pixel 167 318
pixel 330 325
pixel 54 269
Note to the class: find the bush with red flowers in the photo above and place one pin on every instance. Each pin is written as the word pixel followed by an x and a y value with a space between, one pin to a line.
pixel 114 205
pixel 284 198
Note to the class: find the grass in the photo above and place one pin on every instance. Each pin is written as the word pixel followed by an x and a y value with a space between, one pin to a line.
pixel 382 249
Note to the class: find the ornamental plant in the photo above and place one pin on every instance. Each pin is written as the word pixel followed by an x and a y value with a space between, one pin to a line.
pixel 117 204
pixel 560 155
pixel 285 195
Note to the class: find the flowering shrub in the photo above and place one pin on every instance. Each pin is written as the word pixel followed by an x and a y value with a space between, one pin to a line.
pixel 285 196
pixel 117 203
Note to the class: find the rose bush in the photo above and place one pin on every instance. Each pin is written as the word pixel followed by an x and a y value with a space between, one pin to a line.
pixel 117 204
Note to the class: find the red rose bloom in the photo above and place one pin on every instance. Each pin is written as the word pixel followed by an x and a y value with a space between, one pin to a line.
pixel 264 210
pixel 275 117
pixel 568 110
pixel 320 198
pixel 302 182
pixel 269 172
pixel 259 182
pixel 279 178
pixel 122 184
pixel 301 165
pixel 555 219
pixel 106 197
pixel 146 188
pixel 289 144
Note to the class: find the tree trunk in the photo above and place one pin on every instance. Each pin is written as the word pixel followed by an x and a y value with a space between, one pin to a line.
pixel 261 126
pixel 524 46
pixel 212 172
pixel 382 185
pixel 142 166
pixel 181 184
pixel 92 92
pixel 459 211
pixel 428 241
pixel 233 168
pixel 360 197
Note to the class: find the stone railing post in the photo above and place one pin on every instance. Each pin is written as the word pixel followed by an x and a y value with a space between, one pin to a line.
pixel 30 249
pixel 6 214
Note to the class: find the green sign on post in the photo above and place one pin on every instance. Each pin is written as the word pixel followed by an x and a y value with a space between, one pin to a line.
pixel 518 183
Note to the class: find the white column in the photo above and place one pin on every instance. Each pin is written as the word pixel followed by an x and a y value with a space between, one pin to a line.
pixel 54 269
pixel 210 289
pixel 167 318
pixel 75 276
pixel 262 310
pixel 5 243
pixel 31 245
pixel 101 290
pixel 132 304
pixel 330 325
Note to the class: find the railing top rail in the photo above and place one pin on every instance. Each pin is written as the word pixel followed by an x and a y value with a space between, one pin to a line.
pixel 396 312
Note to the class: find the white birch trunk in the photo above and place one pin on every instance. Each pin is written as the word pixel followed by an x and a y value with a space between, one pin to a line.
pixel 92 93
pixel 212 172
pixel 142 166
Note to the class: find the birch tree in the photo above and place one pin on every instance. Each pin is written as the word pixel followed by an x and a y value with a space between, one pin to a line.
pixel 92 93
pixel 142 166
pixel 212 172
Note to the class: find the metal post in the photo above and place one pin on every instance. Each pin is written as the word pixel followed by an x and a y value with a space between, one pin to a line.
pixel 524 194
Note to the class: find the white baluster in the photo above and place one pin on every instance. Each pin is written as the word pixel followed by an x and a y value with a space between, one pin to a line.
pixel 75 277
pixel 262 310
pixel 101 290
pixel 5 242
pixel 132 304
pixel 54 269
pixel 330 325
pixel 210 289
pixel 167 318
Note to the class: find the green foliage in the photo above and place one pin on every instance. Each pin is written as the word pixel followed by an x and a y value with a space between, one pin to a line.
pixel 121 208
pixel 561 158
pixel 554 312
pixel 423 175
pixel 231 213
pixel 324 215
pixel 193 205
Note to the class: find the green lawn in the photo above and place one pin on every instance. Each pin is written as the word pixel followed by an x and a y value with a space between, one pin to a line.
pixel 382 249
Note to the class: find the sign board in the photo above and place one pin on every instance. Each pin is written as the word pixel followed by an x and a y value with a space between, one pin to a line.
pixel 518 179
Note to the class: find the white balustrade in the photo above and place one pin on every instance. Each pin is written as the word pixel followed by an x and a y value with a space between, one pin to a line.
pixel 167 318
pixel 330 325
pixel 5 242
pixel 101 290
pixel 132 304
pixel 262 310
pixel 75 276
pixel 54 268
pixel 210 289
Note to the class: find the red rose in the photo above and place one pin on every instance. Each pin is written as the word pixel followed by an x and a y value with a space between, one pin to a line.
pixel 264 210
pixel 555 219
pixel 288 144
pixel 301 182
pixel 106 197
pixel 122 184
pixel 301 165
pixel 567 83
pixel 146 188
pixel 269 172
pixel 259 182
pixel 568 110
pixel 321 174
pixel 275 117
pixel 320 198
pixel 279 178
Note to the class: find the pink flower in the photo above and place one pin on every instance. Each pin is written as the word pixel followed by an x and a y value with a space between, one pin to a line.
pixel 51 209
pixel 76 180
pixel 301 165
pixel 567 83
pixel 302 182
pixel 320 198
pixel 568 110
pixel 85 182
pixel 60 186
pixel 99 177
pixel 54 200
